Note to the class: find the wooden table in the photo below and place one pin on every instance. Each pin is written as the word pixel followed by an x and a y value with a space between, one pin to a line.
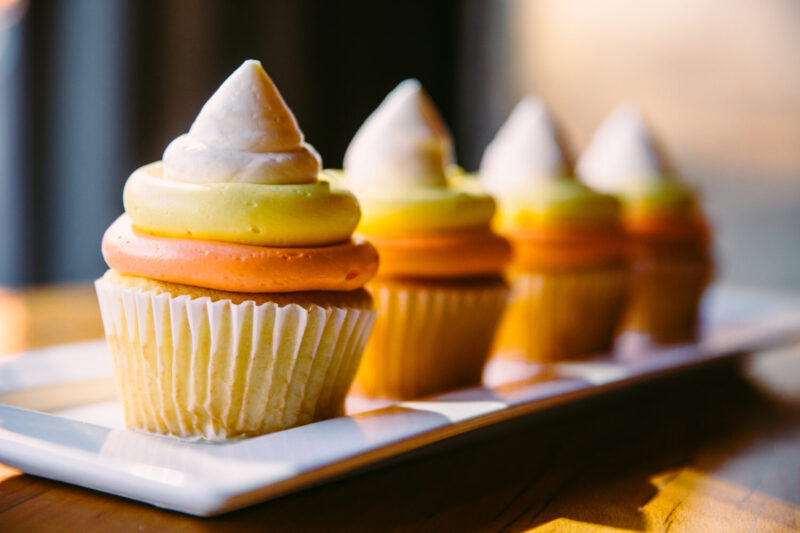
pixel 716 450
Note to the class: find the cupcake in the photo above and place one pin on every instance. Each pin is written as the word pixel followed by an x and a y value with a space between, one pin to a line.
pixel 568 276
pixel 234 304
pixel 439 291
pixel 668 235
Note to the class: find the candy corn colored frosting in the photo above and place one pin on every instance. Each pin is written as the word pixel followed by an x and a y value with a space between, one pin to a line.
pixel 442 255
pixel 308 214
pixel 623 159
pixel 238 204
pixel 552 219
pixel 239 267
pixel 423 223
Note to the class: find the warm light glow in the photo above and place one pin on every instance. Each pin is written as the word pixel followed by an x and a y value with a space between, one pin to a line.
pixel 13 323
pixel 11 11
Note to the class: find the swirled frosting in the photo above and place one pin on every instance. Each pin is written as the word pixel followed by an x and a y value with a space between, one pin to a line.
pixel 624 159
pixel 527 149
pixel 239 204
pixel 397 166
pixel 424 221
pixel 242 174
pixel 621 152
pixel 309 214
pixel 526 166
pixel 245 133
pixel 404 142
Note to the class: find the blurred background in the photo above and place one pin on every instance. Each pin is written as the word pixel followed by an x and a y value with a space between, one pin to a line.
pixel 91 89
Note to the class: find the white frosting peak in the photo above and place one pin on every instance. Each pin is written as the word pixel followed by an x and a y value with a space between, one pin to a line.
pixel 622 152
pixel 525 151
pixel 403 142
pixel 244 133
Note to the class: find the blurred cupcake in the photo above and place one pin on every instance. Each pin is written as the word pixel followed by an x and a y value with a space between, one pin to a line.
pixel 234 305
pixel 568 277
pixel 669 236
pixel 438 291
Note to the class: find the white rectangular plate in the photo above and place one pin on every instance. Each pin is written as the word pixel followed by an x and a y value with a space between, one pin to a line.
pixel 59 418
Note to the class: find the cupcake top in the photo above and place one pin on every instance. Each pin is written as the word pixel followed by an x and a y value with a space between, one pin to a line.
pixel 245 133
pixel 238 204
pixel 527 150
pixel 242 174
pixel 529 170
pixel 424 223
pixel 623 159
pixel 403 144
pixel 397 165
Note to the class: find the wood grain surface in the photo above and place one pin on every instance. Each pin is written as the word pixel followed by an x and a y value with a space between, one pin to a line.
pixel 716 450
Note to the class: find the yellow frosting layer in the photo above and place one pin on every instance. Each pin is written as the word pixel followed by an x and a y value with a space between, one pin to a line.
pixel 404 211
pixel 557 203
pixel 424 210
pixel 313 214
pixel 665 197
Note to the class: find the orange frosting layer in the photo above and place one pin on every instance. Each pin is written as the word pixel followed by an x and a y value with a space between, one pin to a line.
pixel 443 255
pixel 668 228
pixel 668 236
pixel 238 267
pixel 568 249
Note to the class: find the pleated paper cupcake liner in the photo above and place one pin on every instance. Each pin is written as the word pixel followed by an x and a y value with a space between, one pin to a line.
pixel 429 337
pixel 558 315
pixel 211 369
pixel 665 298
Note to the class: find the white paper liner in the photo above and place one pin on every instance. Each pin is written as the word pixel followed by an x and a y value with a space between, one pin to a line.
pixel 429 338
pixel 553 316
pixel 197 368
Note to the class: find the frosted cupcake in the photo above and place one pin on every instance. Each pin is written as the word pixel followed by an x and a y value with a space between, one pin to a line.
pixel 438 291
pixel 568 277
pixel 669 237
pixel 234 305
